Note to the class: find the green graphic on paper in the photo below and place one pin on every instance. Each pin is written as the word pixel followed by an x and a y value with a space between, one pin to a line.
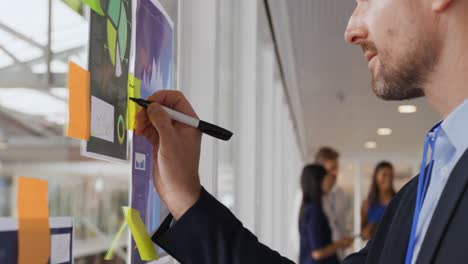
pixel 116 34
pixel 116 30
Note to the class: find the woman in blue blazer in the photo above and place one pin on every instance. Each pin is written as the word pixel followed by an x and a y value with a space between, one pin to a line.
pixel 381 193
pixel 316 242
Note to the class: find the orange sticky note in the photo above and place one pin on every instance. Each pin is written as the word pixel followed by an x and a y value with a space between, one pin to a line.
pixel 78 102
pixel 33 221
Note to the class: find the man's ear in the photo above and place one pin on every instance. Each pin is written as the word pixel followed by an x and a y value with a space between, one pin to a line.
pixel 441 5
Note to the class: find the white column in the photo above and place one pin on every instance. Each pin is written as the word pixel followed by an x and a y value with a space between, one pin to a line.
pixel 357 204
pixel 278 165
pixel 290 183
pixel 226 101
pixel 197 73
pixel 246 123
pixel 266 162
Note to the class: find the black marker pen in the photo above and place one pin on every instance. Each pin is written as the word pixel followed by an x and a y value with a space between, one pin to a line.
pixel 204 127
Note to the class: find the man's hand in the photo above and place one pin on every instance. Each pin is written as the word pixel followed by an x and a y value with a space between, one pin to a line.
pixel 176 150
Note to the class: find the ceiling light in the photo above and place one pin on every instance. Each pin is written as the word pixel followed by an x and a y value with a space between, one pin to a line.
pixel 384 131
pixel 370 145
pixel 407 109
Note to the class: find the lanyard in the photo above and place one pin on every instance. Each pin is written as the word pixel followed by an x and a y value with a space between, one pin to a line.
pixel 423 184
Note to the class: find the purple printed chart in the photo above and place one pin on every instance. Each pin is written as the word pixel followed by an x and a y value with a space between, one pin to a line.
pixel 153 67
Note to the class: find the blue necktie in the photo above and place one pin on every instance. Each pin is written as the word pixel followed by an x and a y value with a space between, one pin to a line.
pixel 423 184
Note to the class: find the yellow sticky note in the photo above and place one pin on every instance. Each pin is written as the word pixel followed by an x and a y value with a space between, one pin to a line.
pixel 95 5
pixel 78 102
pixel 33 221
pixel 140 235
pixel 115 242
pixel 132 108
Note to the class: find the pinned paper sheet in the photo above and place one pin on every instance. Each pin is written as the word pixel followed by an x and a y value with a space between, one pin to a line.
pixel 78 102
pixel 60 252
pixel 95 5
pixel 132 108
pixel 33 221
pixel 102 119
pixel 140 235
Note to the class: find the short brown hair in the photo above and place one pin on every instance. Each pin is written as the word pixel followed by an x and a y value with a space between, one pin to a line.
pixel 326 153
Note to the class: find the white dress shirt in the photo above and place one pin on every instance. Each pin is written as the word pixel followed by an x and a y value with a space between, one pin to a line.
pixel 338 208
pixel 451 143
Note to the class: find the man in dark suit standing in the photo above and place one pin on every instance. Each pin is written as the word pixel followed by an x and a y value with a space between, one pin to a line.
pixel 414 48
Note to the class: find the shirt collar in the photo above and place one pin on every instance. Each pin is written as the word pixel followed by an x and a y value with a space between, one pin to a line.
pixel 455 126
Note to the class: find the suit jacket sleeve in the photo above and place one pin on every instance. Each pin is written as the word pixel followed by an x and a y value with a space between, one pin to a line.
pixel 209 233
pixel 359 257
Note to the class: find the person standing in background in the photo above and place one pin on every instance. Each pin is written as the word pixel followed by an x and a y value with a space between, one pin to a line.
pixel 380 194
pixel 316 244
pixel 336 203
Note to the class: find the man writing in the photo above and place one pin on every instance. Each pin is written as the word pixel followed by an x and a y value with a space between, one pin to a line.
pixel 414 48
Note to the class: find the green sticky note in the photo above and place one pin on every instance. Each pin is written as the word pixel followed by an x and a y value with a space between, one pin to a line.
pixel 132 108
pixel 140 235
pixel 95 5
pixel 115 242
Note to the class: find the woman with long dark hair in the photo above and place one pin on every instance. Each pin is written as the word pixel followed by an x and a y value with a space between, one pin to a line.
pixel 381 193
pixel 317 246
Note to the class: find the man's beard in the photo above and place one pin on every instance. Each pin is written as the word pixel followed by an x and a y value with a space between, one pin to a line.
pixel 405 79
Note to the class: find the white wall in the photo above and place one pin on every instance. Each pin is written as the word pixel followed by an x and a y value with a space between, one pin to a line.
pixel 197 68
pixel 229 72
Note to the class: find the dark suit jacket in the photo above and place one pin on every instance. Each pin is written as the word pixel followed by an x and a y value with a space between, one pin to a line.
pixel 209 234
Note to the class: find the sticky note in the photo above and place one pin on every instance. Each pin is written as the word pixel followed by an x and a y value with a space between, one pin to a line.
pixel 115 242
pixel 140 235
pixel 78 102
pixel 33 221
pixel 95 5
pixel 132 108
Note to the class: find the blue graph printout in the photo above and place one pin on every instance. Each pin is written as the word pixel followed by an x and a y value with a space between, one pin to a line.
pixel 153 66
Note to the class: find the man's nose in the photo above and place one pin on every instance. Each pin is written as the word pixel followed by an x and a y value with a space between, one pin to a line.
pixel 356 30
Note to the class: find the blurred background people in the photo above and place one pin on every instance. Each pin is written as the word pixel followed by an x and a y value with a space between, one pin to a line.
pixel 336 203
pixel 380 194
pixel 316 244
